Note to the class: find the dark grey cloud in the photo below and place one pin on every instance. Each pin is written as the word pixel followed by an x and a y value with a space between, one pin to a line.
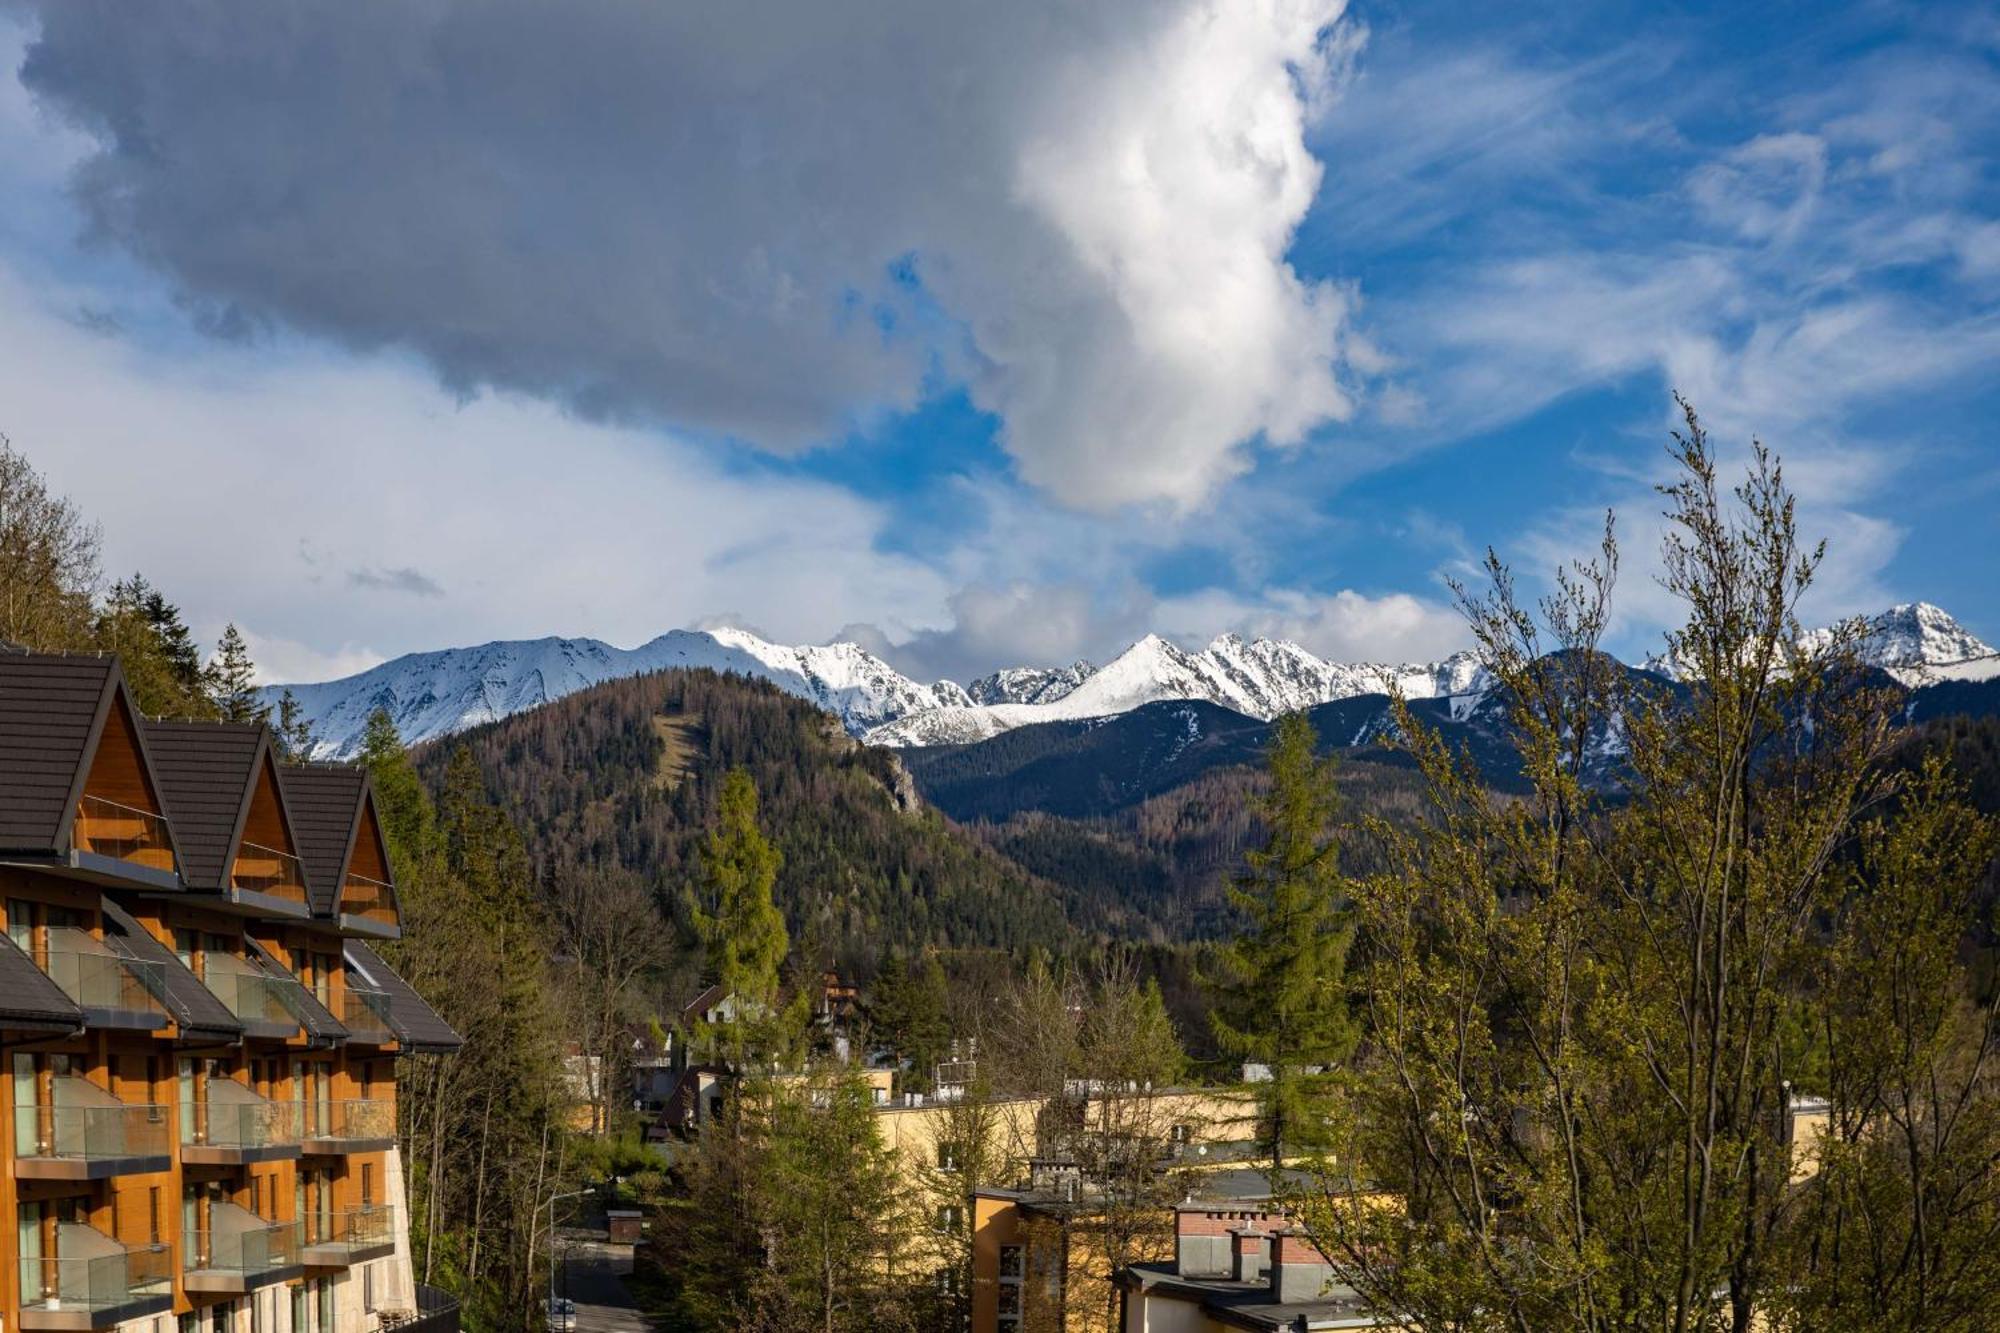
pixel 403 579
pixel 770 219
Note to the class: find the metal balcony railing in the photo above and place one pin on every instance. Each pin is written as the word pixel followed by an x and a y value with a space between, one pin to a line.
pixel 349 1120
pixel 255 996
pixel 349 1235
pixel 86 1124
pixel 240 1247
pixel 108 985
pixel 92 1273
pixel 123 833
pixel 235 1118
pixel 266 870
pixel 365 897
pixel 365 1014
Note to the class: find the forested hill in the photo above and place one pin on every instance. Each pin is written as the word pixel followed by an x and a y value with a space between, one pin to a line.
pixel 627 773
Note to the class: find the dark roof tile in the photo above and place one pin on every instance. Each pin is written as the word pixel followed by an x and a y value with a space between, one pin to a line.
pixel 27 997
pixel 193 1006
pixel 49 707
pixel 325 805
pixel 205 770
pixel 416 1025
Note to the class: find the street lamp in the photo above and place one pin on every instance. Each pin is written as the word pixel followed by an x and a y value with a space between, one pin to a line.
pixel 555 1199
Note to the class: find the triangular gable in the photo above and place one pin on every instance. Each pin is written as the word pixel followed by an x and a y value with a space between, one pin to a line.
pixel 264 823
pixel 368 858
pixel 115 790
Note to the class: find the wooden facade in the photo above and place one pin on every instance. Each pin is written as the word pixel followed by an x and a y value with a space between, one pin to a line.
pixel 204 1142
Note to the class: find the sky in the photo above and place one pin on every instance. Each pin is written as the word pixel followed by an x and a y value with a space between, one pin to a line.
pixel 987 335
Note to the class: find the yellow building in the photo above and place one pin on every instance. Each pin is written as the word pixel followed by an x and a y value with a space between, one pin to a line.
pixel 202 1042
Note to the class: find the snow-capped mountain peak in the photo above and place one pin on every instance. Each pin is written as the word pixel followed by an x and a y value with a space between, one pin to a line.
pixel 436 693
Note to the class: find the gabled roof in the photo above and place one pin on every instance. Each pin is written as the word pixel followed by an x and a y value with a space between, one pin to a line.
pixel 416 1025
pixel 208 774
pixel 28 998
pixel 194 1007
pixel 53 710
pixel 324 801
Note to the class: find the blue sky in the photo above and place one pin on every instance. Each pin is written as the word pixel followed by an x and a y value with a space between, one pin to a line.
pixel 988 336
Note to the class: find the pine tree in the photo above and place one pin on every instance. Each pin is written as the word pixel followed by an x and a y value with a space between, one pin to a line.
pixel 404 807
pixel 1281 990
pixel 157 654
pixel 906 1016
pixel 740 928
pixel 296 734
pixel 232 680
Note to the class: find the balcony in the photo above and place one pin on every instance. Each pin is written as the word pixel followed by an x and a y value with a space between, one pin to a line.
pixel 235 1125
pixel 122 842
pixel 114 991
pixel 368 907
pixel 261 1001
pixel 351 1236
pixel 238 1252
pixel 93 1282
pixel 365 1015
pixel 88 1134
pixel 269 879
pixel 350 1125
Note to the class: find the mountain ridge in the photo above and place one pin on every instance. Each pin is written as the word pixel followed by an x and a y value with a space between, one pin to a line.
pixel 438 693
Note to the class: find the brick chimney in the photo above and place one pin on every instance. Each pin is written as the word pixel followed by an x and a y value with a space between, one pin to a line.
pixel 1249 1254
pixel 1201 1242
pixel 1299 1272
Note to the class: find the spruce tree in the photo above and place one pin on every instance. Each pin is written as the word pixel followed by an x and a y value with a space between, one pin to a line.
pixel 1281 991
pixel 157 654
pixel 402 804
pixel 739 926
pixel 232 680
pixel 906 1016
pixel 296 734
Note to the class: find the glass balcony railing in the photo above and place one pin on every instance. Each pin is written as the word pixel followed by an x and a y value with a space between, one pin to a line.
pixel 237 1244
pixel 365 1014
pixel 237 1119
pixel 108 984
pixel 252 994
pixel 268 871
pixel 86 1124
pixel 349 1234
pixel 370 898
pixel 92 1273
pixel 123 833
pixel 349 1120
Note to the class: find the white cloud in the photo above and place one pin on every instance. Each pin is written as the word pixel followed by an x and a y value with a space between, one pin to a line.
pixel 249 487
pixel 1343 626
pixel 693 214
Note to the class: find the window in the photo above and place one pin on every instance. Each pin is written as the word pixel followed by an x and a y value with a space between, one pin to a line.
pixel 1010 1263
pixel 947 1157
pixel 368 1288
pixel 367 1184
pixel 153 1213
pixel 1182 1133
pixel 950 1218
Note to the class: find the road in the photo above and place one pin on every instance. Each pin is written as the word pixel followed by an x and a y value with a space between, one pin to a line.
pixel 596 1284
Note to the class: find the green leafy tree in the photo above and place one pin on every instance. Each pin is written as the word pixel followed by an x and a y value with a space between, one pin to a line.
pixel 1280 987
pixel 741 931
pixel 232 680
pixel 48 561
pixel 1580 1001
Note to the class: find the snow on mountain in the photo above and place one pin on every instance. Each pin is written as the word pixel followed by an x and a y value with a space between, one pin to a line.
pixel 1920 644
pixel 434 694
pixel 1029 685
pixel 1261 678
pixel 1917 643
